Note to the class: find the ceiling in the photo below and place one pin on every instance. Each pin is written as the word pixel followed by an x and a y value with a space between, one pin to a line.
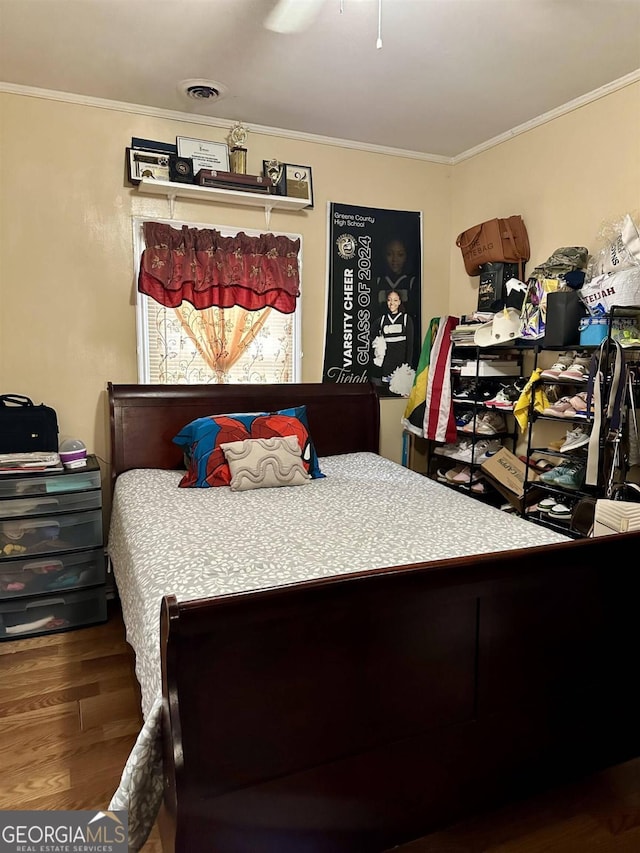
pixel 450 76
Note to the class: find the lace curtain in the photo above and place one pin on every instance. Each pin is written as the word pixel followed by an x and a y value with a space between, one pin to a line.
pixel 200 266
pixel 220 335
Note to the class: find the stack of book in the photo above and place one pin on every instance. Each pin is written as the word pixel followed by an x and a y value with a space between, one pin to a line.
pixel 462 335
pixel 29 463
pixel 616 517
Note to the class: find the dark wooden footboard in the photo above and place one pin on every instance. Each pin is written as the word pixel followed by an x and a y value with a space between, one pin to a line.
pixel 357 713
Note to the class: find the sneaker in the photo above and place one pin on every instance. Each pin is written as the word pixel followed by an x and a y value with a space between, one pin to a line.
pixel 629 337
pixel 572 477
pixel 463 452
pixel 576 438
pixel 464 418
pixel 474 393
pixel 465 394
pixel 579 403
pixel 485 391
pixel 485 448
pixel 576 373
pixel 559 512
pixel 469 426
pixel 504 399
pixel 546 504
pixel 554 371
pixel 550 477
pixel 562 408
pixel 450 449
pixel 445 450
pixel 562 363
pixel 491 423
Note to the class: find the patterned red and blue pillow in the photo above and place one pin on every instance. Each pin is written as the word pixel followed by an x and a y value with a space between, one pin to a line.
pixel 201 440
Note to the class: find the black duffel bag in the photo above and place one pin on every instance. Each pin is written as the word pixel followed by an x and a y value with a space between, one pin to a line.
pixel 24 427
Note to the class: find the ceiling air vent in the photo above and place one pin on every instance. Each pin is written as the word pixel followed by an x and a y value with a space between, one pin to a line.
pixel 202 90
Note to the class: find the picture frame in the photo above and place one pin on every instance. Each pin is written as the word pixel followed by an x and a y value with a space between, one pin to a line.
pixel 204 153
pixel 298 182
pixel 146 164
pixel 154 145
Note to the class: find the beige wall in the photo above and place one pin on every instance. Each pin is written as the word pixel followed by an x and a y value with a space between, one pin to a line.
pixel 67 316
pixel 568 179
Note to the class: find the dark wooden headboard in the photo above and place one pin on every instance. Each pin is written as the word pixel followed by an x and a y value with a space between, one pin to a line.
pixel 144 418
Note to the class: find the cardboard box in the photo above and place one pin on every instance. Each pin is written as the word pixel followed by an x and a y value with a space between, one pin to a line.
pixel 509 472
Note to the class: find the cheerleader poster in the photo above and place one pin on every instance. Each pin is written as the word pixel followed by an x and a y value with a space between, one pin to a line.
pixel 374 297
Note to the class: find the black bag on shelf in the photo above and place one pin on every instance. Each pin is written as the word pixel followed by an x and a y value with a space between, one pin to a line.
pixel 492 287
pixel 25 427
pixel 564 312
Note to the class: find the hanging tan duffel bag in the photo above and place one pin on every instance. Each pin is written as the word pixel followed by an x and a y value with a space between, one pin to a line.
pixel 494 241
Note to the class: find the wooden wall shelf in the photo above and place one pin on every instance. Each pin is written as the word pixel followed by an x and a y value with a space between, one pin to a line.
pixel 173 190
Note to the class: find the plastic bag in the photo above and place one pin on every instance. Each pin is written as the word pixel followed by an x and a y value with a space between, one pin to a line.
pixel 616 288
pixel 533 317
pixel 620 249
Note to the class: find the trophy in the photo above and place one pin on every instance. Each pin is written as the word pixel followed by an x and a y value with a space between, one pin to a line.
pixel 274 170
pixel 238 153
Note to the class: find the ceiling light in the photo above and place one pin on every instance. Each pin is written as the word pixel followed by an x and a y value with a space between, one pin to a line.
pixel 202 90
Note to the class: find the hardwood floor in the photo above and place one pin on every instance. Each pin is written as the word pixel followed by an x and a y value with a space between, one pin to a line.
pixel 69 710
pixel 69 715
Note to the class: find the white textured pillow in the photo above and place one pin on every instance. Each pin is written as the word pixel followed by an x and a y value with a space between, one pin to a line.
pixel 265 463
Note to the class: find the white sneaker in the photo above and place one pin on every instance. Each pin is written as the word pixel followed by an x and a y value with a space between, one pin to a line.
pixel 465 450
pixel 447 450
pixel 577 437
pixel 545 505
pixel 486 448
pixel 559 512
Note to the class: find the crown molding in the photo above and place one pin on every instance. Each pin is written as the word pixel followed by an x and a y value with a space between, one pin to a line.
pixel 209 121
pixel 156 112
pixel 569 107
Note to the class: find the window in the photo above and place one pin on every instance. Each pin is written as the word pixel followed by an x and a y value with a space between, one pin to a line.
pixel 215 345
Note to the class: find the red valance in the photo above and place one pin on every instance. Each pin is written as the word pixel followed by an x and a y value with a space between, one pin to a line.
pixel 200 266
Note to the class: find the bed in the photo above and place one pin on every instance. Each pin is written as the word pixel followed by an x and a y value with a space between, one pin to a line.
pixel 352 664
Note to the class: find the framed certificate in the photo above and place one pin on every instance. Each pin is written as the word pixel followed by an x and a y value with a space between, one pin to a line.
pixel 205 154
pixel 147 164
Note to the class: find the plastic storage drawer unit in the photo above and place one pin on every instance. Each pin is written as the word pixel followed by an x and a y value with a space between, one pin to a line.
pixel 37 484
pixel 52 563
pixel 23 537
pixel 48 504
pixel 44 614
pixel 24 577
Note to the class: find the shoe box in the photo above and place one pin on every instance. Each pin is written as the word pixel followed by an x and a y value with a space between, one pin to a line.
pixel 487 367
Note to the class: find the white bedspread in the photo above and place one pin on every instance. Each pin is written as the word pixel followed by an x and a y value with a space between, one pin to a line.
pixel 368 512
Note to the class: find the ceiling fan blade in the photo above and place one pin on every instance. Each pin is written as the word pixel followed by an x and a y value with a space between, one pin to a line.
pixel 292 16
